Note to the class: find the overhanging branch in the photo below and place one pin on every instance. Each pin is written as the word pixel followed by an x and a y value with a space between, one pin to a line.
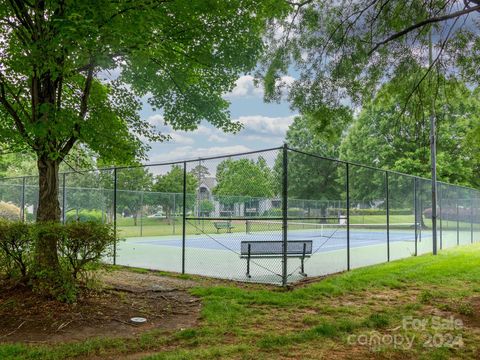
pixel 422 23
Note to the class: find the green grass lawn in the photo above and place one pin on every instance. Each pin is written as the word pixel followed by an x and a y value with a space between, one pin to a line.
pixel 324 318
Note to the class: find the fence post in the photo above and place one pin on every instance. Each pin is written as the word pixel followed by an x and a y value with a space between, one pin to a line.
pixel 388 215
pixel 471 220
pixel 440 194
pixel 458 225
pixel 415 210
pixel 174 212
pixel 184 214
pixel 64 198
pixel 284 213
pixel 348 213
pixel 115 215
pixel 22 210
pixel 141 214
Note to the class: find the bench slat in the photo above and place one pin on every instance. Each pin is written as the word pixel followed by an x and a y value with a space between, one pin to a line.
pixel 272 248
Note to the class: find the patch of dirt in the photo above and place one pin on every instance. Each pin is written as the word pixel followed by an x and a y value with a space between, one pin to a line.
pixel 472 317
pixel 140 282
pixel 163 301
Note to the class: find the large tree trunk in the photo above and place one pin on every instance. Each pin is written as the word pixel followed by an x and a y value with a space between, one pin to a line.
pixel 48 211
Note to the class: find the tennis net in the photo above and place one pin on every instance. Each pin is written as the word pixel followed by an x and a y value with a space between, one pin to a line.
pixel 333 230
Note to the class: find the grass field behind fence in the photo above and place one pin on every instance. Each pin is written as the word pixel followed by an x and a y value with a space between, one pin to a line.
pixel 161 227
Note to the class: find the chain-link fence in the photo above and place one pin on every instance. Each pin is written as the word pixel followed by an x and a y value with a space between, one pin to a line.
pixel 273 216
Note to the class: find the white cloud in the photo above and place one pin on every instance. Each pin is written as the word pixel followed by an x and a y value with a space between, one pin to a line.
pixel 264 125
pixel 176 137
pixel 181 139
pixel 205 130
pixel 286 81
pixel 190 152
pixel 244 87
pixel 156 120
pixel 217 138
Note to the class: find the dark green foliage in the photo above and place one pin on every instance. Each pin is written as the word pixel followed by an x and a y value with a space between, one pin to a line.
pixel 239 180
pixel 16 247
pixel 355 211
pixel 85 243
pixel 380 137
pixel 168 190
pixel 85 216
pixel 206 207
pixel 80 245
pixel 311 178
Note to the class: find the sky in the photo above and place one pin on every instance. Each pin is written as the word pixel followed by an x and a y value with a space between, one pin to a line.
pixel 264 126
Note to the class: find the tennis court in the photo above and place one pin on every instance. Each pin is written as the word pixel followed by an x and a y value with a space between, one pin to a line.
pixel 212 210
pixel 218 254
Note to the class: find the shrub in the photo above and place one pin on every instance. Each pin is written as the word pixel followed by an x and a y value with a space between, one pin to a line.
pixel 80 245
pixel 278 212
pixel 206 207
pixel 85 243
pixel 273 212
pixel 355 211
pixel 84 216
pixel 296 212
pixel 16 248
pixel 9 211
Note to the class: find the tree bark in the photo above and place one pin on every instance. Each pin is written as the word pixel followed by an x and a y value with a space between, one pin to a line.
pixel 48 211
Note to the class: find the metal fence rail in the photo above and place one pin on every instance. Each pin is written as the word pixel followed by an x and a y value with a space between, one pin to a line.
pixel 273 216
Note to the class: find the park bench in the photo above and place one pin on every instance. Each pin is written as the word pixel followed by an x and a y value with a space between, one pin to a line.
pixel 223 225
pixel 301 249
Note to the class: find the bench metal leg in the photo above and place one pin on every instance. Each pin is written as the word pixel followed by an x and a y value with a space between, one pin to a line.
pixel 248 262
pixel 302 267
pixel 302 259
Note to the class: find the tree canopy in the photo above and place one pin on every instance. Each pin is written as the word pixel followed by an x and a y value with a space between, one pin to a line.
pixel 344 50
pixel 73 72
pixel 168 189
pixel 239 180
pixel 311 178
pixel 379 138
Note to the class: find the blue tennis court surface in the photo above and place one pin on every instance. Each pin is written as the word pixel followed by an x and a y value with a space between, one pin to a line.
pixel 330 241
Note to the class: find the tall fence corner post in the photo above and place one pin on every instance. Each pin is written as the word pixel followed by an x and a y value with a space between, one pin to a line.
pixel 387 190
pixel 115 215
pixel 347 185
pixel 184 214
pixel 284 213
pixel 415 212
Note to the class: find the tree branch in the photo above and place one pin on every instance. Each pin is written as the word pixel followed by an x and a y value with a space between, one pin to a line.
pixel 422 23
pixel 13 113
pixel 83 113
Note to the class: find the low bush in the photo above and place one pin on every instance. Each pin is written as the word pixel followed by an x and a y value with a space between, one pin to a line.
pixel 16 248
pixel 81 246
pixel 84 216
pixel 85 243
pixel 355 211
pixel 273 212
pixel 278 212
